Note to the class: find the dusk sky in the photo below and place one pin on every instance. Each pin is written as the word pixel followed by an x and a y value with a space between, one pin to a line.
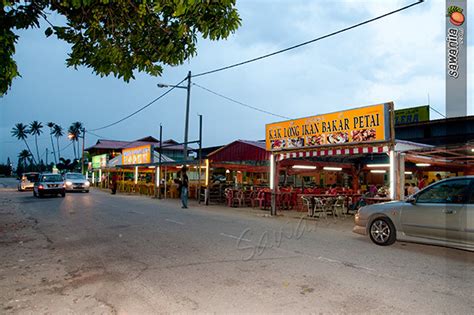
pixel 400 58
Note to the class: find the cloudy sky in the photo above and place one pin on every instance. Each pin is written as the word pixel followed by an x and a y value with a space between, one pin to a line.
pixel 399 58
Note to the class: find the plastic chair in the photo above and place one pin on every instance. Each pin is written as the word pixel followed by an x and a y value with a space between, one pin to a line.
pixel 340 207
pixel 308 204
pixel 238 198
pixel 319 208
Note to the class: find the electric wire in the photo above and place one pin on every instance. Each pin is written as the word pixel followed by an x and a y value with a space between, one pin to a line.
pixel 436 111
pixel 141 108
pixel 310 41
pixel 240 103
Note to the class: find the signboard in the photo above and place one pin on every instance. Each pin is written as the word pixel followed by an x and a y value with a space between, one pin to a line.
pixel 137 155
pixel 99 161
pixel 360 125
pixel 412 115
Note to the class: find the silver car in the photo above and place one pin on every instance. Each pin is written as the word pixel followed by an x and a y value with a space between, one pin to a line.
pixel 27 181
pixel 49 184
pixel 440 214
pixel 76 182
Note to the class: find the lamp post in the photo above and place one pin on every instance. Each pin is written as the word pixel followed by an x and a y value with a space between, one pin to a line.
pixel 186 120
pixel 72 136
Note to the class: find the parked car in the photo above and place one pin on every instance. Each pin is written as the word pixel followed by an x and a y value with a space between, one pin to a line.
pixel 76 182
pixel 440 214
pixel 27 180
pixel 49 184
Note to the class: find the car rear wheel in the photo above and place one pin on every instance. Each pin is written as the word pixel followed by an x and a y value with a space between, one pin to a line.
pixel 382 232
pixel 63 194
pixel 34 193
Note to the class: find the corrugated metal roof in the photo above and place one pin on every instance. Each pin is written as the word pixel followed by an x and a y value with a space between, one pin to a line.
pixel 241 150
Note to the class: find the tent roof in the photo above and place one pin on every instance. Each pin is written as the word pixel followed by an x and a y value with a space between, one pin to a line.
pixel 241 150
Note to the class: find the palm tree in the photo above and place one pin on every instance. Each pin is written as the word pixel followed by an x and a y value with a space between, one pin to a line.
pixel 51 130
pixel 79 129
pixel 72 135
pixel 58 133
pixel 24 156
pixel 35 129
pixel 20 131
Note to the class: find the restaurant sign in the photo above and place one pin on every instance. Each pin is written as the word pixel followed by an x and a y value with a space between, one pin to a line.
pixel 360 125
pixel 99 161
pixel 137 155
pixel 412 115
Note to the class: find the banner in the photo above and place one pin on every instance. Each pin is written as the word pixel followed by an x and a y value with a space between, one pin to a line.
pixel 456 58
pixel 412 115
pixel 137 155
pixel 99 161
pixel 360 125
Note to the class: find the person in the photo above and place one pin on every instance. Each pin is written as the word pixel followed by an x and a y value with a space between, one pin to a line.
pixel 422 182
pixel 178 184
pixel 114 183
pixel 438 177
pixel 373 191
pixel 414 189
pixel 184 188
pixel 407 189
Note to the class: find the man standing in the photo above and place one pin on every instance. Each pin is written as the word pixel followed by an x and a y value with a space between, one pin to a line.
pixel 114 183
pixel 184 188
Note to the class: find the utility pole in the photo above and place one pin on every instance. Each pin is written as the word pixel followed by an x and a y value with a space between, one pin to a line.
pixel 83 144
pixel 46 156
pixel 186 125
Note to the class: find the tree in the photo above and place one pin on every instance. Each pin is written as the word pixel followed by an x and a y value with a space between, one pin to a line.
pixel 23 157
pixel 79 130
pixel 20 131
pixel 66 165
pixel 72 135
pixel 51 131
pixel 58 133
pixel 118 36
pixel 35 129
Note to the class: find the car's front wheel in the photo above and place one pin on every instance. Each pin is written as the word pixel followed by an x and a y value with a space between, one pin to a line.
pixel 382 232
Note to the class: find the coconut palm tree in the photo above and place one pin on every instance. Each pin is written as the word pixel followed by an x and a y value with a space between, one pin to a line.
pixel 35 129
pixel 51 131
pixel 24 156
pixel 72 135
pixel 58 133
pixel 20 131
pixel 79 129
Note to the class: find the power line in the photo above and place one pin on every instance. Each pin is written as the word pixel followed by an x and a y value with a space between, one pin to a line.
pixel 140 109
pixel 310 41
pixel 94 134
pixel 240 103
pixel 436 111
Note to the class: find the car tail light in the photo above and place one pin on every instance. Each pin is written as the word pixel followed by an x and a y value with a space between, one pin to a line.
pixel 40 187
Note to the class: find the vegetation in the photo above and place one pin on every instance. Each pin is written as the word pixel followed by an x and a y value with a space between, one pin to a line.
pixel 36 130
pixel 118 37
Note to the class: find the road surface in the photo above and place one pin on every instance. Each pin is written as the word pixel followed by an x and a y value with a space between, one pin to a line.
pixel 98 253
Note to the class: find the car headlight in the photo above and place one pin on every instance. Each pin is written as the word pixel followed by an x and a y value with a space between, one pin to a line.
pixel 87 183
pixel 68 183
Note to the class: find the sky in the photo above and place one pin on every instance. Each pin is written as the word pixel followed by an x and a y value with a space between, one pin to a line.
pixel 400 58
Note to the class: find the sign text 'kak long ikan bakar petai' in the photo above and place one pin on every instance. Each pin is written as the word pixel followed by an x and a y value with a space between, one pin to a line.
pixel 359 125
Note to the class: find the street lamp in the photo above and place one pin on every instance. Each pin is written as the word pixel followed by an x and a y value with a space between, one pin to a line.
pixel 186 123
pixel 72 136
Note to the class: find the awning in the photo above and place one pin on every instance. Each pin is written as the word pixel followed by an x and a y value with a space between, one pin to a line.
pixel 333 152
pixel 117 161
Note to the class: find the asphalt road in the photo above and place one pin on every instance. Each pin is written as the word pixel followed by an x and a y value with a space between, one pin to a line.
pixel 118 254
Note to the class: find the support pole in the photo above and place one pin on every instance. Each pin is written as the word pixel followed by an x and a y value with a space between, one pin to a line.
pixel 83 144
pixel 186 124
pixel 401 175
pixel 273 184
pixel 200 160
pixel 136 175
pixel 159 163
pixel 393 174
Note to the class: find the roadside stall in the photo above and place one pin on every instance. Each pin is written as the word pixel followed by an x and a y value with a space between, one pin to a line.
pixel 332 143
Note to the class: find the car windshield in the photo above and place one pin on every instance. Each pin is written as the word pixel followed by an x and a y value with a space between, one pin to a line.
pixel 31 177
pixel 51 178
pixel 75 176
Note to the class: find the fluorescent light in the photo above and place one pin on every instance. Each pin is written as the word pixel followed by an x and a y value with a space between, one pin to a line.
pixel 378 165
pixel 408 173
pixel 378 171
pixel 472 150
pixel 330 168
pixel 304 167
pixel 423 164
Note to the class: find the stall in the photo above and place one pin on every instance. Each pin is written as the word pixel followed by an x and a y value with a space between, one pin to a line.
pixel 337 141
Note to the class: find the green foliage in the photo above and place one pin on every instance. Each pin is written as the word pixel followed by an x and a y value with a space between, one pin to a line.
pixel 119 37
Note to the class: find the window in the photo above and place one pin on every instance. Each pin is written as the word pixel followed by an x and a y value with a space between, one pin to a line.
pixel 453 191
pixel 52 178
pixel 75 176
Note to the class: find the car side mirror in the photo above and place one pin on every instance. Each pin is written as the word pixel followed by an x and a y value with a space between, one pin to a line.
pixel 411 200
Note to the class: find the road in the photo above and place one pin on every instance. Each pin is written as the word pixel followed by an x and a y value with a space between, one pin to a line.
pixel 98 253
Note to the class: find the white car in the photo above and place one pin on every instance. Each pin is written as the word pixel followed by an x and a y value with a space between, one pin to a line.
pixel 27 181
pixel 76 182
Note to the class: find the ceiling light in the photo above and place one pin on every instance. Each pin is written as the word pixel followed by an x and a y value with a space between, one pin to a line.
pixel 472 150
pixel 423 164
pixel 378 165
pixel 408 173
pixel 330 168
pixel 304 167
pixel 378 171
